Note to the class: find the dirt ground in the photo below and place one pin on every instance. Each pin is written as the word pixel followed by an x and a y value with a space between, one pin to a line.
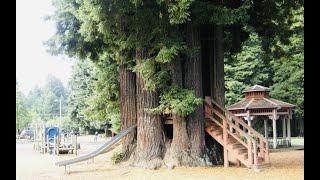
pixel 30 164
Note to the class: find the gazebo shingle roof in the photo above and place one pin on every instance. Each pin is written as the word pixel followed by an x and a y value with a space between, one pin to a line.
pixel 257 88
pixel 261 102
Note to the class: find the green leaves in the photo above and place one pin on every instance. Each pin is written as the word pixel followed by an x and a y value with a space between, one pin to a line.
pixel 289 67
pixel 81 86
pixel 177 101
pixel 225 16
pixel 23 117
pixel 179 11
pixel 167 54
pixel 245 69
pixel 94 99
pixel 109 32
pixel 282 68
pixel 44 102
pixel 153 79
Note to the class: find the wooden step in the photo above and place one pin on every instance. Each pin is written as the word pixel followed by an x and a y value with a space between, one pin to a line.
pixel 214 126
pixel 241 150
pixel 217 133
pixel 236 145
pixel 217 128
pixel 243 155
pixel 232 140
pixel 263 165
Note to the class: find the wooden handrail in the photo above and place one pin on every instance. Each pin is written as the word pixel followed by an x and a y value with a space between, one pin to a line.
pixel 229 132
pixel 230 119
pixel 216 121
pixel 239 120
pixel 249 138
pixel 255 153
pixel 250 158
pixel 237 138
pixel 232 125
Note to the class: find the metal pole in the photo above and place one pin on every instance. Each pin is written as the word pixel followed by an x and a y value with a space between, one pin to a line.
pixel 54 144
pixel 60 112
pixel 47 147
pixel 76 145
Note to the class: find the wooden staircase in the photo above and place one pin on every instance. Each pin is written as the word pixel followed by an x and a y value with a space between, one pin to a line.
pixel 239 140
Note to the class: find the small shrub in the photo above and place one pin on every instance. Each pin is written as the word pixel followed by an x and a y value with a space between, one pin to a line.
pixel 117 157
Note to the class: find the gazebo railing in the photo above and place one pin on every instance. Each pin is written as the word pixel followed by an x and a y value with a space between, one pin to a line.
pixel 256 143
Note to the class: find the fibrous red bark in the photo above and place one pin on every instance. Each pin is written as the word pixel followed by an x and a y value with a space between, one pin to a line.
pixel 150 143
pixel 193 80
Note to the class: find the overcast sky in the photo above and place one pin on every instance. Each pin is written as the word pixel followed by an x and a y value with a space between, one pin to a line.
pixel 33 64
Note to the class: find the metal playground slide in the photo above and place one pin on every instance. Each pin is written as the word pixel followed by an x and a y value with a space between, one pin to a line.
pixel 103 149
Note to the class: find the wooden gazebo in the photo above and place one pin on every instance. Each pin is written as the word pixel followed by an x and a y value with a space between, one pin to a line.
pixel 257 102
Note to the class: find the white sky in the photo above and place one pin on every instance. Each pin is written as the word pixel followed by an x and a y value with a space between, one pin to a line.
pixel 33 64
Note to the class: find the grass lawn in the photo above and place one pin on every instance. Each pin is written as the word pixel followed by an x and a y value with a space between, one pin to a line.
pixel 295 141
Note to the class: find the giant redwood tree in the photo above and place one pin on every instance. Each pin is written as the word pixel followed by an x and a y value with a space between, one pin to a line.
pixel 170 55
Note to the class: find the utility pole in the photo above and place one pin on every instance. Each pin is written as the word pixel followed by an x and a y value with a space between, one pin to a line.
pixel 60 112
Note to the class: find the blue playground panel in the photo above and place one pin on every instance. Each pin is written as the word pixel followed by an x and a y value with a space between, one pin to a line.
pixel 52 132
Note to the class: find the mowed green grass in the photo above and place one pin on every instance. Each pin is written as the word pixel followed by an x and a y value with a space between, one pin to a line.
pixel 297 141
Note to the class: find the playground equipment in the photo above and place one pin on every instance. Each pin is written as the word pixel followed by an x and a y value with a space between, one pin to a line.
pixel 38 135
pixel 52 139
pixel 68 144
pixel 103 149
pixel 48 140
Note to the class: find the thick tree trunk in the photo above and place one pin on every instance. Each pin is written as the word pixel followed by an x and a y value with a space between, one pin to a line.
pixel 218 90
pixel 128 103
pixel 193 80
pixel 128 110
pixel 178 154
pixel 150 143
pixel 216 150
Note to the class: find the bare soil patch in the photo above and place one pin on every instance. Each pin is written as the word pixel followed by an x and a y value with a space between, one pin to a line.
pixel 33 165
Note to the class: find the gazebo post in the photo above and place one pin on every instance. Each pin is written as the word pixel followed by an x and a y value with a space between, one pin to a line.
pixel 289 132
pixel 248 119
pixel 266 128
pixel 284 130
pixel 289 128
pixel 274 128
